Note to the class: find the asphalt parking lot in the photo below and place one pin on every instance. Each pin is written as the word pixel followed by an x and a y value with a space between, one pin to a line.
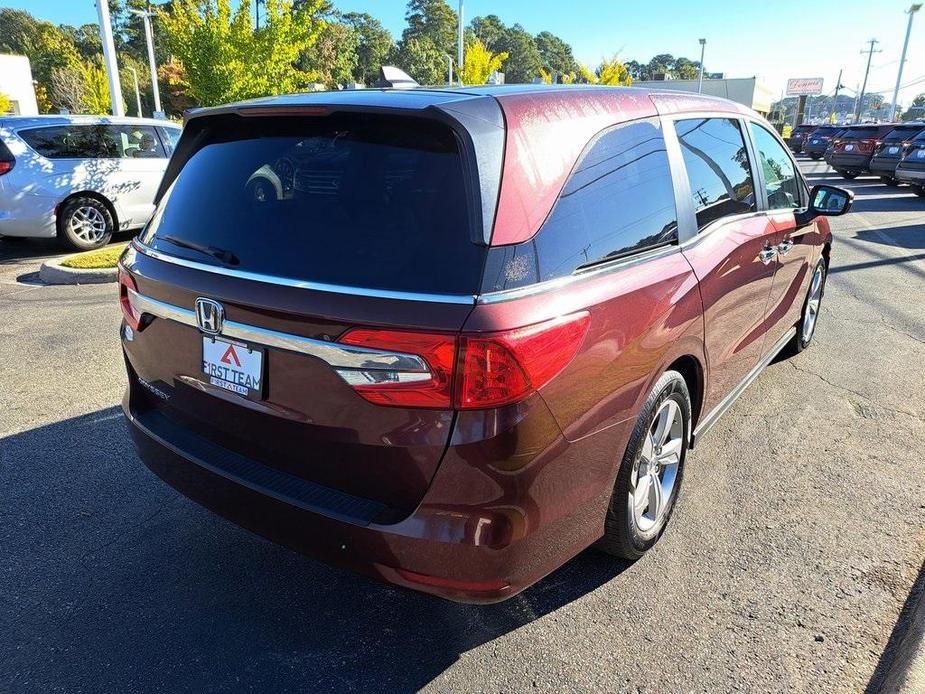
pixel 788 562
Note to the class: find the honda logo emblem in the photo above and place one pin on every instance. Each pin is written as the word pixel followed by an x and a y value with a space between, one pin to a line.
pixel 209 316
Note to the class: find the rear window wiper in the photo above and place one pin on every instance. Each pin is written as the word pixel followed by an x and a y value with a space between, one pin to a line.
pixel 220 254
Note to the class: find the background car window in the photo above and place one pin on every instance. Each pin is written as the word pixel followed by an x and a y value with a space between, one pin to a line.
pixel 780 180
pixel 717 167
pixel 170 137
pixel 65 141
pixel 132 142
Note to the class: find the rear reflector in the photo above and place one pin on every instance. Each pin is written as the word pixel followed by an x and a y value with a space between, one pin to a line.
pixel 494 586
pixel 471 370
pixel 131 314
pixel 6 167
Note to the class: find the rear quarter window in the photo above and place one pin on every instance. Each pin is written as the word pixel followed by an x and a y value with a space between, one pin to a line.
pixel 350 200
pixel 65 141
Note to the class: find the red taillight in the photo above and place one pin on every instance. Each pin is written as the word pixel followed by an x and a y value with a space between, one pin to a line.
pixel 865 145
pixel 6 166
pixel 501 368
pixel 126 283
pixel 472 370
pixel 402 388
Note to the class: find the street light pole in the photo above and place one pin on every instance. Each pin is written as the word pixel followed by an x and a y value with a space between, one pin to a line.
pixel 109 57
pixel 899 75
pixel 703 47
pixel 137 93
pixel 149 39
pixel 459 44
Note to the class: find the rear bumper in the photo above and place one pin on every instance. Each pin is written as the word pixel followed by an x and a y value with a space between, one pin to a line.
pixel 909 175
pixel 479 552
pixel 849 162
pixel 883 166
pixel 815 149
pixel 26 215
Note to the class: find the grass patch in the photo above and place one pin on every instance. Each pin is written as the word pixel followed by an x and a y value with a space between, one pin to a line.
pixel 101 258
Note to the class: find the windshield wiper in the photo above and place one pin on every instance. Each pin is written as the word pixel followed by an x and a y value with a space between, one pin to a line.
pixel 226 257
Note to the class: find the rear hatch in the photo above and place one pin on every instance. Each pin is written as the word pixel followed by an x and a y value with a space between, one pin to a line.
pixel 895 142
pixel 321 238
pixel 859 140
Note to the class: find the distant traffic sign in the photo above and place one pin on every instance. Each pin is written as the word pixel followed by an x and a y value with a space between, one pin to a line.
pixel 804 86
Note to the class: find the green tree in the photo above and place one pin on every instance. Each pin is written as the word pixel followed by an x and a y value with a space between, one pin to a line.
pixel 685 69
pixel 96 93
pixel 374 43
pixel 421 59
pixel 555 53
pixel 332 59
pixel 479 63
pixel 915 114
pixel 434 20
pixel 490 30
pixel 524 61
pixel 612 72
pixel 226 59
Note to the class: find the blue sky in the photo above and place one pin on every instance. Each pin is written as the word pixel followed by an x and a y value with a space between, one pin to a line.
pixel 773 40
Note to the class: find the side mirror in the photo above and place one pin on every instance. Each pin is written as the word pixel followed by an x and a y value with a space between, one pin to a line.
pixel 826 200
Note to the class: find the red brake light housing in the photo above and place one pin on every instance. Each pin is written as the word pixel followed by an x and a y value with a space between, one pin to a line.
pixel 7 160
pixel 473 370
pixel 131 314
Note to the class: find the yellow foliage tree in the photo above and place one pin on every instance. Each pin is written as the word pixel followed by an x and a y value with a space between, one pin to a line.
pixel 612 72
pixel 479 63
pixel 96 93
pixel 5 103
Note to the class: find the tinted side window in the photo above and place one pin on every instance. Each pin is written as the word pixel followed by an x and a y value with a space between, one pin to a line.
pixel 65 141
pixel 717 167
pixel 780 180
pixel 170 137
pixel 619 200
pixel 132 142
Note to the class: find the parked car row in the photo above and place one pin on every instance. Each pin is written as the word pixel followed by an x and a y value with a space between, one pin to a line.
pixel 80 178
pixel 893 151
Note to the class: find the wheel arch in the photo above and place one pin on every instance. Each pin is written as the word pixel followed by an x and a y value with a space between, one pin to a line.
pixel 691 369
pixel 89 194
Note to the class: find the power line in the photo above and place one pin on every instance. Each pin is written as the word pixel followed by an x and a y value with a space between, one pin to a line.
pixel 870 54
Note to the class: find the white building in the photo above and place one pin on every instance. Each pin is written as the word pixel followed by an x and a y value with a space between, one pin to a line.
pixel 750 91
pixel 16 83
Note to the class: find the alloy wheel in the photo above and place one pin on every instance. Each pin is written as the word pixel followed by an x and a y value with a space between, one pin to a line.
pixel 88 224
pixel 812 304
pixel 656 469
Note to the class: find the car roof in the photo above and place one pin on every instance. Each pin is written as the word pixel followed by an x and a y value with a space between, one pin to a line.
pixel 420 98
pixel 17 122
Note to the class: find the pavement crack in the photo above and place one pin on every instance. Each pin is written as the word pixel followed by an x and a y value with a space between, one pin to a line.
pixel 867 398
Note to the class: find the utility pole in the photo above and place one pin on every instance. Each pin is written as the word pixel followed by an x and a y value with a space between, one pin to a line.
pixel 899 75
pixel 459 44
pixel 838 86
pixel 703 47
pixel 109 57
pixel 870 54
pixel 149 39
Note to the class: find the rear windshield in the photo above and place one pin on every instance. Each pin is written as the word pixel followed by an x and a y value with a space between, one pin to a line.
pixel 860 134
pixel 826 130
pixel 350 199
pixel 902 133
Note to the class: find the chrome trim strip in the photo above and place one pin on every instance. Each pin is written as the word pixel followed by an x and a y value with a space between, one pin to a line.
pixel 462 299
pixel 338 355
pixel 714 415
pixel 581 275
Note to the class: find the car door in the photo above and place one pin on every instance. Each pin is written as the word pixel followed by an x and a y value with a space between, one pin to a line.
pixel 732 253
pixel 138 163
pixel 784 192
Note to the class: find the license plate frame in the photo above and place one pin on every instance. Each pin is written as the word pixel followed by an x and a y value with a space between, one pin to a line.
pixel 234 366
pixel 893 150
pixel 849 148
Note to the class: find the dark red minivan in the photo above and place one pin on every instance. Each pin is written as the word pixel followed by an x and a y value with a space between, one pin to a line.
pixel 453 337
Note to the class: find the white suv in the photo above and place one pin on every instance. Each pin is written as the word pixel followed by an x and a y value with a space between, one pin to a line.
pixel 80 177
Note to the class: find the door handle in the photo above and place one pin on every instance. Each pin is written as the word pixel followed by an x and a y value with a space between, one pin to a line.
pixel 785 247
pixel 767 255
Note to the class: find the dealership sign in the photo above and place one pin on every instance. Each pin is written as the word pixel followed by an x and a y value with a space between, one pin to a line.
pixel 804 86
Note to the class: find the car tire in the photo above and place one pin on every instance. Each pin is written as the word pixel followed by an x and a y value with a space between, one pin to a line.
pixel 84 224
pixel 809 316
pixel 890 181
pixel 632 526
pixel 13 239
pixel 850 175
pixel 919 190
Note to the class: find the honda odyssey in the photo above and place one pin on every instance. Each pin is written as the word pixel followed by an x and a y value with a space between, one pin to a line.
pixel 451 338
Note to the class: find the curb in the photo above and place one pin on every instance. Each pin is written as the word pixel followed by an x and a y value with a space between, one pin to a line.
pixel 906 672
pixel 52 272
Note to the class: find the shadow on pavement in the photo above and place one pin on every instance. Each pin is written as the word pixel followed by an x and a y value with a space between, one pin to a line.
pixel 114 582
pixel 25 249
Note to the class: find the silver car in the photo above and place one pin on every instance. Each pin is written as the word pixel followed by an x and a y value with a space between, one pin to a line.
pixel 80 178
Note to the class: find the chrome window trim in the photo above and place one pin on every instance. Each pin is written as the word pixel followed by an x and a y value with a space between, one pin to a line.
pixel 579 276
pixel 340 356
pixel 461 299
